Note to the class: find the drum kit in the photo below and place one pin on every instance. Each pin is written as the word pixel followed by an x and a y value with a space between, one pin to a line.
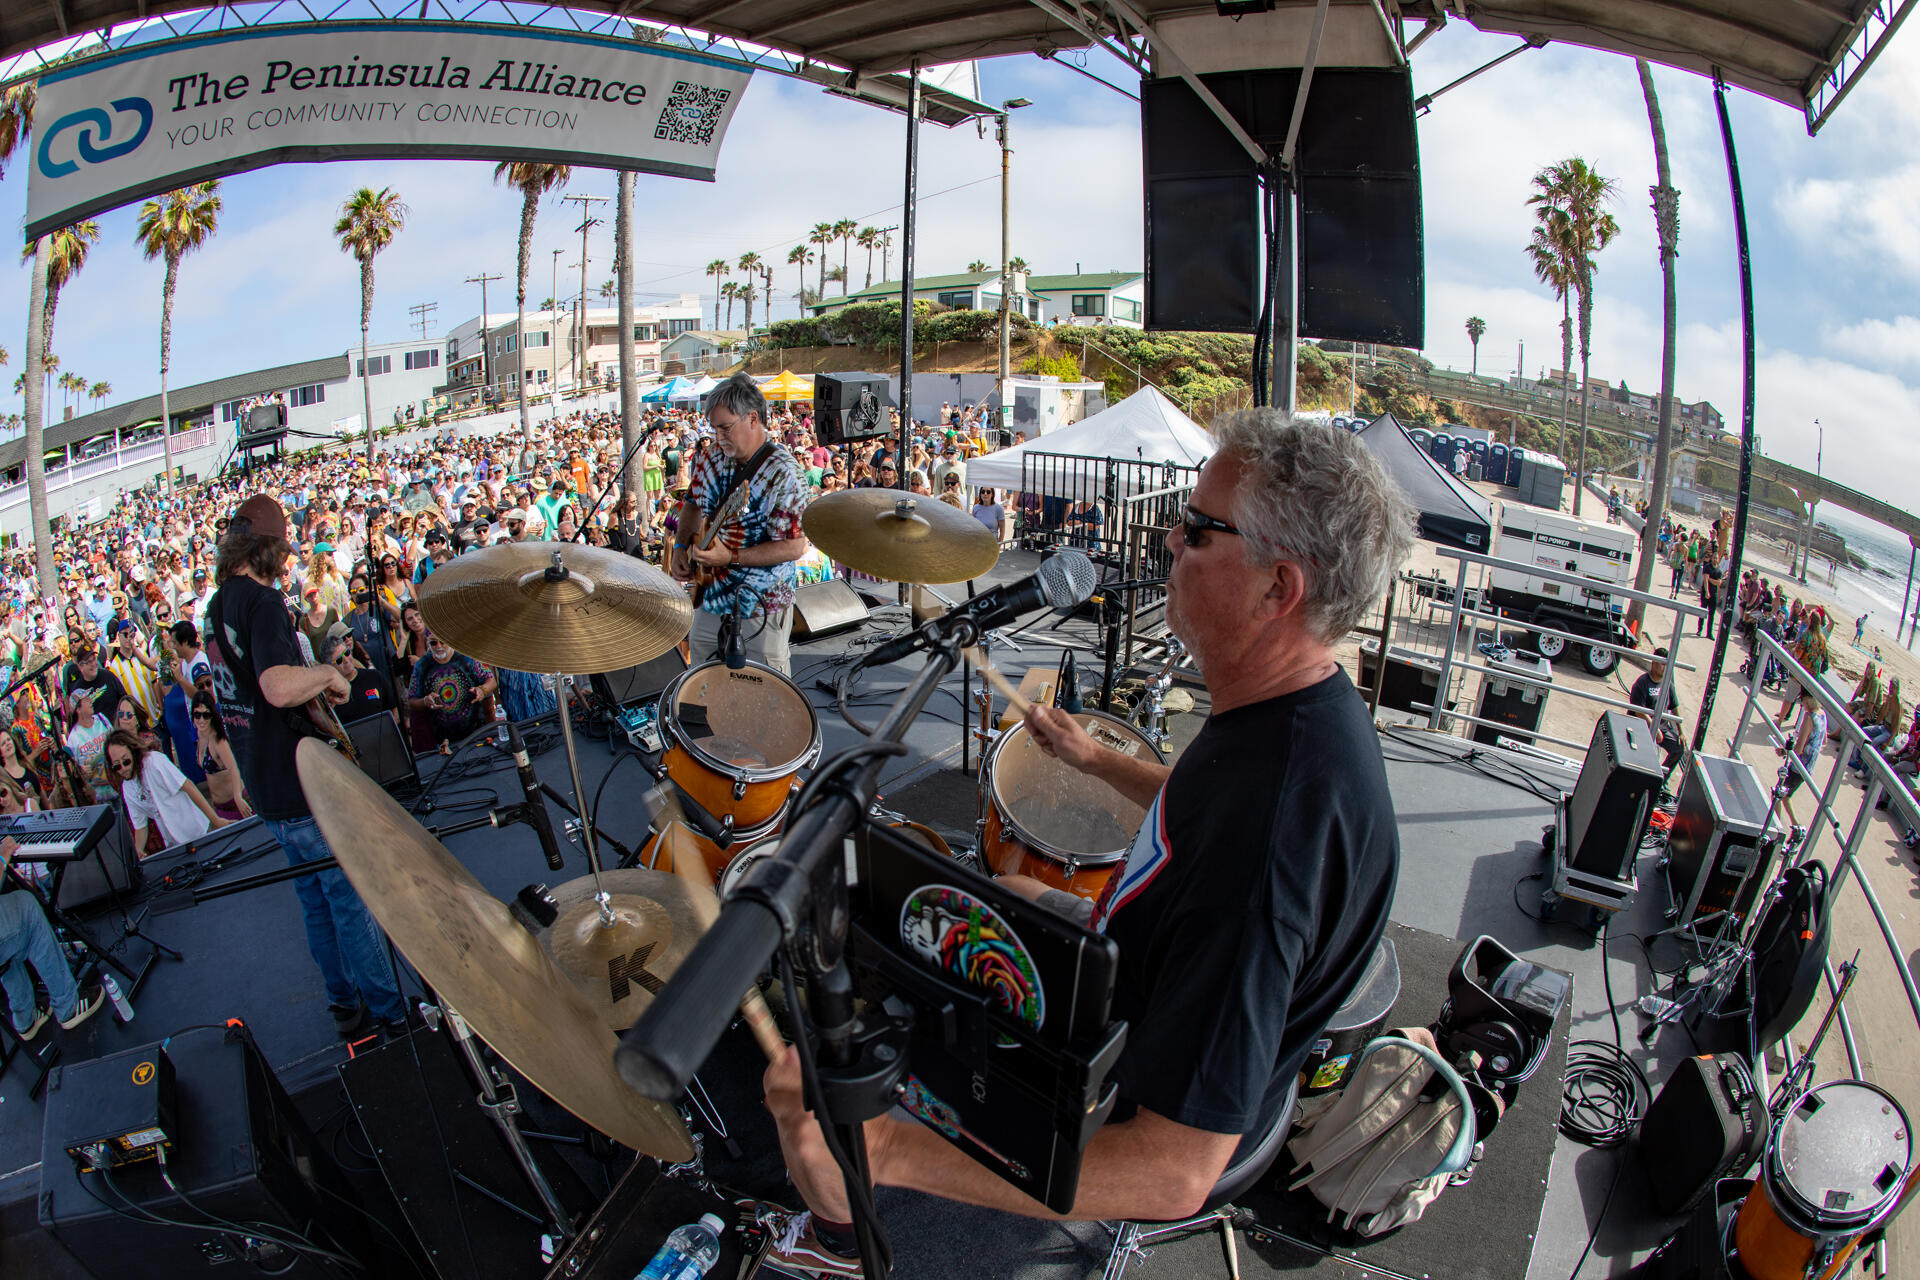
pixel 548 981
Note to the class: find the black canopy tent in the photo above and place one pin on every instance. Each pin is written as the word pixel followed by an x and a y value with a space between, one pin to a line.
pixel 1450 512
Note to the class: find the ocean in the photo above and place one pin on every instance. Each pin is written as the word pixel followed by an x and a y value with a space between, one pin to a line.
pixel 1877 589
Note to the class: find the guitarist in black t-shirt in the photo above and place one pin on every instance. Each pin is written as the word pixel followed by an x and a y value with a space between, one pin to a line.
pixel 262 682
pixel 1258 886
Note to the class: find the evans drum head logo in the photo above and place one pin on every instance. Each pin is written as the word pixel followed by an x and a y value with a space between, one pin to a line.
pixel 97 136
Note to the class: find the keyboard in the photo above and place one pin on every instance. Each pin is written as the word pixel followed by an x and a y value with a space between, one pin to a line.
pixel 58 835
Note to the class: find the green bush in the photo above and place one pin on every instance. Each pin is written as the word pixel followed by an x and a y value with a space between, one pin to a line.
pixel 1063 367
pixel 796 333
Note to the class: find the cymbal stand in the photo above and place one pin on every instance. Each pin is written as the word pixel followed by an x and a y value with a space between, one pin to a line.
pixel 501 1104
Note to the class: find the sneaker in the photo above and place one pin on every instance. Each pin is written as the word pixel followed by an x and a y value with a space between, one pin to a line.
pixel 348 1022
pixel 90 1002
pixel 39 1020
pixel 796 1251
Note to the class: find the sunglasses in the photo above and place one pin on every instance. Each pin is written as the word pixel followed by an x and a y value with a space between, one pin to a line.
pixel 201 715
pixel 123 766
pixel 1196 525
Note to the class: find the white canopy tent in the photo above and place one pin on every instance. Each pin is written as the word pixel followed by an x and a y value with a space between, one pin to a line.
pixel 693 391
pixel 1145 427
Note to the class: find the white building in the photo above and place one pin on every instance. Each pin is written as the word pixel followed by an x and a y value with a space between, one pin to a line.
pixel 552 353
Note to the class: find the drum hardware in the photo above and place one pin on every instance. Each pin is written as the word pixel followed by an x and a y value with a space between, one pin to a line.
pixel 1113 617
pixel 1800 1075
pixel 1154 722
pixel 502 1106
pixel 471 950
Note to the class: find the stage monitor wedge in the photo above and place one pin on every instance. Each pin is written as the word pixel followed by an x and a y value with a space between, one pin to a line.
pixel 1361 239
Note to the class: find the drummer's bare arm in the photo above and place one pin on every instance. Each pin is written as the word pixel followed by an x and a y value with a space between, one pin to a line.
pixel 1059 734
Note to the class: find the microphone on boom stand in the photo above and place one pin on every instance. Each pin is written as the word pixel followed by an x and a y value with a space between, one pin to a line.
pixel 534 810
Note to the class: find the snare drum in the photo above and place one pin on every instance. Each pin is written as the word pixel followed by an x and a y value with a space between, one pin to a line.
pixel 1834 1165
pixel 737 740
pixel 743 861
pixel 1048 820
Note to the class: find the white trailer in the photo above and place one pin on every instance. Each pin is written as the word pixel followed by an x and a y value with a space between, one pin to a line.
pixel 1604 553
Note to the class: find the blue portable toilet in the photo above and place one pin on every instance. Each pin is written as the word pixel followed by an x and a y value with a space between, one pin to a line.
pixel 1497 463
pixel 1443 447
pixel 1423 438
pixel 1480 450
pixel 1515 457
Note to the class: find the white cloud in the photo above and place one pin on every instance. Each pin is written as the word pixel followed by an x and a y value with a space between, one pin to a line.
pixel 1879 342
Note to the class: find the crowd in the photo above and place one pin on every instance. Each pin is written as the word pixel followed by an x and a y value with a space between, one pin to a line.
pixel 126 699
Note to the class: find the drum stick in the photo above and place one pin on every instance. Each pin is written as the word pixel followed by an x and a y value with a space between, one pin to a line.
pixel 1001 684
pixel 706 906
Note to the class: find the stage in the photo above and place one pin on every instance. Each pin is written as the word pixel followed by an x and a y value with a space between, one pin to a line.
pixel 1471 837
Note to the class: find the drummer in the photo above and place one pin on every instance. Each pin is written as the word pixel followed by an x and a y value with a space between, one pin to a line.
pixel 1258 886
pixel 755 551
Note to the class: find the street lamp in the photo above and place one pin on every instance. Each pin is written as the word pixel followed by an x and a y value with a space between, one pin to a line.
pixel 1006 252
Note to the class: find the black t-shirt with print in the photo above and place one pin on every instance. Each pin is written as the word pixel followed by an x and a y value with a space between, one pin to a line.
pixel 248 631
pixel 1251 901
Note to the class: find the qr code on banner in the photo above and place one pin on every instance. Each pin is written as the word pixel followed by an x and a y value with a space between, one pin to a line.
pixel 691 113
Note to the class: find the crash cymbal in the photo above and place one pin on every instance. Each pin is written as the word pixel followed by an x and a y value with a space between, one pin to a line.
pixel 619 967
pixel 900 536
pixel 468 948
pixel 597 610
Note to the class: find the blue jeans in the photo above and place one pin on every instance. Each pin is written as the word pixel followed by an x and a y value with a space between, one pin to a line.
pixel 1878 735
pixel 341 934
pixel 26 938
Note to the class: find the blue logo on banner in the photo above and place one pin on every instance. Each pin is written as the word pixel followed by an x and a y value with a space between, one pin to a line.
pixel 94 127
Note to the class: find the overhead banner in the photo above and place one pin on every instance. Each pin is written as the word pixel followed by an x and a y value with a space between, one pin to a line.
pixel 148 120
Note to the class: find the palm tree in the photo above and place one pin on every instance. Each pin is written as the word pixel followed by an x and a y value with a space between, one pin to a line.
pixel 533 180
pixel 749 265
pixel 1666 219
pixel 16 123
pixel 717 268
pixel 1550 266
pixel 1476 330
pixel 70 246
pixel 799 256
pixel 729 291
pixel 869 238
pixel 71 384
pixel 976 267
pixel 1572 195
pixel 369 220
pixel 170 228
pixel 98 393
pixel 843 231
pixel 747 293
pixel 609 291
pixel 823 235
pixel 838 274
pixel 1017 264
pixel 16 117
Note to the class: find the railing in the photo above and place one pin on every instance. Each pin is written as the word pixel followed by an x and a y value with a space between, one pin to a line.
pixel 1466 605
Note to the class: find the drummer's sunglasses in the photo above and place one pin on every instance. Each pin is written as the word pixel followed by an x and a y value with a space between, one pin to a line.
pixel 1195 525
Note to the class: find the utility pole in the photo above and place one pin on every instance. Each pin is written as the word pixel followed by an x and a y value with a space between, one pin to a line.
pixel 587 223
pixel 422 314
pixel 886 251
pixel 553 343
pixel 1806 547
pixel 1007 109
pixel 486 360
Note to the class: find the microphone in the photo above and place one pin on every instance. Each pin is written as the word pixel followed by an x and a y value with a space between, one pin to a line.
pixel 1067 692
pixel 536 805
pixel 736 648
pixel 1061 581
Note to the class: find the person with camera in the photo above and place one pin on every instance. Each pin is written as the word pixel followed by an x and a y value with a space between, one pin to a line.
pixel 1257 888
pixel 262 682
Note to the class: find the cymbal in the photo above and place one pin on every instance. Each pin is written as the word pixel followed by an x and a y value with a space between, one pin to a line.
pixel 483 964
pixel 901 536
pixel 619 967
pixel 599 610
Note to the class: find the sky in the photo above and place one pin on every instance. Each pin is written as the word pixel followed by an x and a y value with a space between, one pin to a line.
pixel 1835 260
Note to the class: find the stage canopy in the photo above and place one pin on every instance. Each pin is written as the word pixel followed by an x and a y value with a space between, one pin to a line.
pixel 787 385
pixel 1145 427
pixel 674 389
pixel 1450 513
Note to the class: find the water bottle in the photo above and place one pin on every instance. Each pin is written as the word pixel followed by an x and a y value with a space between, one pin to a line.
pixel 688 1252
pixel 121 1006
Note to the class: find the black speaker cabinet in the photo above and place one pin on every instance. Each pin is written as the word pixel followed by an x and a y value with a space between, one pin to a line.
pixel 1607 814
pixel 383 754
pixel 108 872
pixel 850 406
pixel 625 687
pixel 1717 851
pixel 1412 681
pixel 242 1153
pixel 822 608
pixel 1516 698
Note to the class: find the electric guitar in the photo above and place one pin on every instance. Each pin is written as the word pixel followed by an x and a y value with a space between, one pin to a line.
pixel 316 719
pixel 705 532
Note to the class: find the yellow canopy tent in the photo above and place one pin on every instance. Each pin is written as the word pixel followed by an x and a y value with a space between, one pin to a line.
pixel 787 385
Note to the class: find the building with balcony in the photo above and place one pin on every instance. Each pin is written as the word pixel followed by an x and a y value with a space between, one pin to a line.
pixel 548 352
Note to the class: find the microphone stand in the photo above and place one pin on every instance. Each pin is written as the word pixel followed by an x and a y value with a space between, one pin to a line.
pixel 626 454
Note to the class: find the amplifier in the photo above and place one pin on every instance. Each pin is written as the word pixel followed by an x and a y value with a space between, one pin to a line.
pixel 629 685
pixel 1607 813
pixel 1719 850
pixel 1516 697
pixel 239 1151
pixel 822 608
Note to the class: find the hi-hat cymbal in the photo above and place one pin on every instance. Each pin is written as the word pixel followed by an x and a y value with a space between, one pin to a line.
pixel 595 610
pixel 900 536
pixel 483 964
pixel 619 967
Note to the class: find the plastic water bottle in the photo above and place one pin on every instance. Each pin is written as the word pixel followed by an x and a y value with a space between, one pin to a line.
pixel 688 1253
pixel 121 1006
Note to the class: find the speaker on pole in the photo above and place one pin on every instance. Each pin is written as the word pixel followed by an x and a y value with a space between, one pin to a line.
pixel 850 406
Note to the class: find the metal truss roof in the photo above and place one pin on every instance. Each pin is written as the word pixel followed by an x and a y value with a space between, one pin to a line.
pixel 1805 53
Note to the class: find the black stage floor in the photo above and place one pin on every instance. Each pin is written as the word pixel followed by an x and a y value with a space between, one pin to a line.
pixel 1470 833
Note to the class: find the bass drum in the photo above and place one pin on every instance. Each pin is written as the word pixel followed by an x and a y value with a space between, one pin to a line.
pixel 737 740
pixel 1834 1166
pixel 1048 820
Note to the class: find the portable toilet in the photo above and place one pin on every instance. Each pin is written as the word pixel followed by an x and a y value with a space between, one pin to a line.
pixel 1497 463
pixel 1423 438
pixel 1443 449
pixel 1516 459
pixel 1480 451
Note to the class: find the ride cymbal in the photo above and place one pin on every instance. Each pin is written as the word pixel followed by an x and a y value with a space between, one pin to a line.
pixel 483 964
pixel 619 967
pixel 591 610
pixel 900 536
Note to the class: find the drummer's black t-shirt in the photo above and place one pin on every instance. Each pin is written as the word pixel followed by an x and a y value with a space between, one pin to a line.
pixel 248 631
pixel 1249 906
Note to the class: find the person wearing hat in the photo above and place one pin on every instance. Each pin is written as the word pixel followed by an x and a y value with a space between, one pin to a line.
pixel 87 673
pixel 438 553
pixel 195 606
pixel 951 465
pixel 263 683
pixel 134 667
pixel 99 604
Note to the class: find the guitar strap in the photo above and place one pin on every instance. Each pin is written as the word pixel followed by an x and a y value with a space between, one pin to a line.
pixel 740 477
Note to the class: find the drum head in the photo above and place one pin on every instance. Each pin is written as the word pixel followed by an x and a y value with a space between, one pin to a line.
pixel 1841 1155
pixel 742 862
pixel 750 724
pixel 1056 810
